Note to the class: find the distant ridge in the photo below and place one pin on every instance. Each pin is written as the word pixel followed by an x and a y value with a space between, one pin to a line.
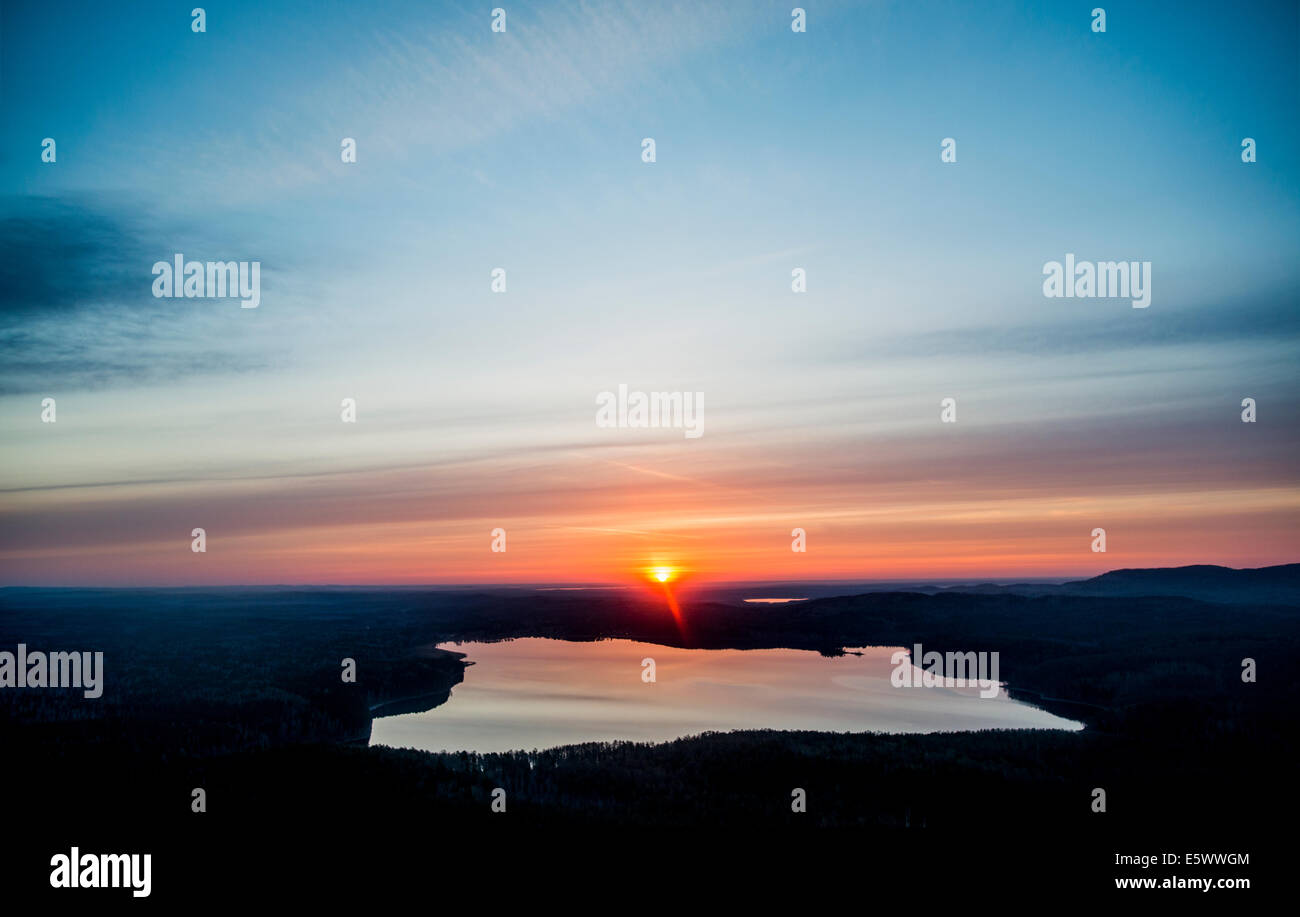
pixel 1210 583
pixel 1278 585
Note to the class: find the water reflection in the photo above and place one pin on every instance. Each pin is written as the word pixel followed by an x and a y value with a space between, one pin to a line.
pixel 539 693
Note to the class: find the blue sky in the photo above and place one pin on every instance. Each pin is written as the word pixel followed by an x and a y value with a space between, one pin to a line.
pixel 774 150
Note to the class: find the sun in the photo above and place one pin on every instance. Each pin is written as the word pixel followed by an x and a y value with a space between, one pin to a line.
pixel 663 574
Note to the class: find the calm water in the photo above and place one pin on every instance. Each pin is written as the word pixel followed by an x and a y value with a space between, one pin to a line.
pixel 539 693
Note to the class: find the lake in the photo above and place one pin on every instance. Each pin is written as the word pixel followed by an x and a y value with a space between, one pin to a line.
pixel 539 693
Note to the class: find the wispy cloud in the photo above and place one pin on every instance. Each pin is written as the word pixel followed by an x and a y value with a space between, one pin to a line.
pixel 76 303
pixel 412 86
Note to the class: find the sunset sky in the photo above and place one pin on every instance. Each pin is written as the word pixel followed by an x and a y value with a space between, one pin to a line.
pixel 522 150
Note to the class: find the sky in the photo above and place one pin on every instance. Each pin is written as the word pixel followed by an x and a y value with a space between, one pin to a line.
pixel 522 150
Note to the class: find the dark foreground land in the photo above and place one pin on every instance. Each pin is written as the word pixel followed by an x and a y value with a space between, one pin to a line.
pixel 239 692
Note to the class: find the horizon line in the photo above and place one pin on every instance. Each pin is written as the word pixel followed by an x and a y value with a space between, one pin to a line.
pixel 576 585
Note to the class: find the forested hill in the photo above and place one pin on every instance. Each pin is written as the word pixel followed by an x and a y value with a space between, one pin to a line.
pixel 1280 584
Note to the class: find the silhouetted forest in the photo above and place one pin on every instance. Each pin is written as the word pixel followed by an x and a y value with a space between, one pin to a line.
pixel 239 692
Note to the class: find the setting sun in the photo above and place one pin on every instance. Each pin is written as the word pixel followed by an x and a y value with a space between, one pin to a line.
pixel 663 574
